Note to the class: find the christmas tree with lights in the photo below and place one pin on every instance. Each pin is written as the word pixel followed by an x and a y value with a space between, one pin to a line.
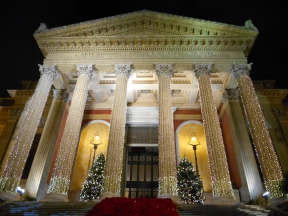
pixel 93 184
pixel 190 187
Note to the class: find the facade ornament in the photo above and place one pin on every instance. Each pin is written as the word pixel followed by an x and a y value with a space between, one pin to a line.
pixel 124 69
pixel 280 114
pixel 14 113
pixel 249 25
pixel 239 70
pixel 42 28
pixel 49 70
pixel 164 69
pixel 233 94
pixel 85 70
pixel 202 69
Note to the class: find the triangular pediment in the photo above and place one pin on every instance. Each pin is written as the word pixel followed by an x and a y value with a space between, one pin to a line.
pixel 146 28
pixel 147 21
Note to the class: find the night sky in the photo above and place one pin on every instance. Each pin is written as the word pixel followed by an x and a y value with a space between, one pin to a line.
pixel 20 54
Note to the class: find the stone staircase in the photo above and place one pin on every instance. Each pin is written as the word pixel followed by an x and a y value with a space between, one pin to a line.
pixel 219 210
pixel 45 208
pixel 82 208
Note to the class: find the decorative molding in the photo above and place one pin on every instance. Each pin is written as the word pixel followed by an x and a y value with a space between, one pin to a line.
pixel 239 70
pixel 202 69
pixel 42 28
pixel 249 25
pixel 280 114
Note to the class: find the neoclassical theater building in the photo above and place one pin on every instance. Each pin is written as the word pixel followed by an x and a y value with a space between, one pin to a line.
pixel 144 82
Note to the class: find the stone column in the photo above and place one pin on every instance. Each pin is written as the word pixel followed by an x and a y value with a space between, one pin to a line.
pixel 7 132
pixel 60 181
pixel 251 182
pixel 221 182
pixel 267 156
pixel 114 157
pixel 166 140
pixel 10 178
pixel 36 182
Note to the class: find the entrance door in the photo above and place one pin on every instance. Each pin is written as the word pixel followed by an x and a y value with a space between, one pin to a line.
pixel 142 172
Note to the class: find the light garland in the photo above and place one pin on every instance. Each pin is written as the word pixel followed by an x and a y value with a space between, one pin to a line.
pixel 62 171
pixel 221 183
pixel 10 178
pixel 115 148
pixel 266 154
pixel 166 146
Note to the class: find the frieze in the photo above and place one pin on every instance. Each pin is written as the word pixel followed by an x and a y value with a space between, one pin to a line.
pixel 142 54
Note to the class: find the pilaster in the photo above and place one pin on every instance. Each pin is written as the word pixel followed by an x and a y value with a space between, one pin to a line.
pixel 36 182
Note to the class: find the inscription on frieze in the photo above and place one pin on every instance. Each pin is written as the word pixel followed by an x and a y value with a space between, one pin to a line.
pixel 142 54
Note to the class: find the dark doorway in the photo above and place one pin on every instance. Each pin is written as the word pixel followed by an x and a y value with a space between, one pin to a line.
pixel 142 172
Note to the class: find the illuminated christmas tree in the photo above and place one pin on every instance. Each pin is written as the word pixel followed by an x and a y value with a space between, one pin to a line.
pixel 190 187
pixel 93 184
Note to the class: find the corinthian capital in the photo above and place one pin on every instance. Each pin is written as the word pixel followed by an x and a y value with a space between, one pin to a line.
pixel 123 69
pixel 164 69
pixel 49 70
pixel 86 70
pixel 59 94
pixel 202 69
pixel 239 70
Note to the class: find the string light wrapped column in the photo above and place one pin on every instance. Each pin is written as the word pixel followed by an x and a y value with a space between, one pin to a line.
pixel 10 178
pixel 221 183
pixel 62 171
pixel 166 145
pixel 114 157
pixel 38 174
pixel 267 156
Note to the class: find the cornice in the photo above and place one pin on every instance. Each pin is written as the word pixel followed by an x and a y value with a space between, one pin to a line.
pixel 146 43
pixel 273 94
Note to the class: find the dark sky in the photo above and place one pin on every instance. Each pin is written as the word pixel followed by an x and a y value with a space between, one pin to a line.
pixel 20 54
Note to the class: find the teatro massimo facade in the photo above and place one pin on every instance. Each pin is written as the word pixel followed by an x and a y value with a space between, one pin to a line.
pixel 145 82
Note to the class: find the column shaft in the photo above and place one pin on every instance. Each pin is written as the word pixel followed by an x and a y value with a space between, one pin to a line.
pixel 166 143
pixel 267 156
pixel 221 183
pixel 37 178
pixel 60 180
pixel 114 157
pixel 18 156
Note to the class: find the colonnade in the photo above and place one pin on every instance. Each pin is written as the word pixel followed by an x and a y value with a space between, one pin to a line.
pixel 63 167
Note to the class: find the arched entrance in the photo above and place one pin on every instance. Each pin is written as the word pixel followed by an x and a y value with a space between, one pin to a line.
pixel 85 152
pixel 183 135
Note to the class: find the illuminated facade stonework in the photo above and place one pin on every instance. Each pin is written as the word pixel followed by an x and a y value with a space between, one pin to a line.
pixel 145 81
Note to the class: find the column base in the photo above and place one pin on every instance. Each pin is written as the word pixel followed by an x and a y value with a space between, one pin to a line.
pixel 55 197
pixel 224 200
pixel 108 195
pixel 175 199
pixel 7 196
pixel 272 202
